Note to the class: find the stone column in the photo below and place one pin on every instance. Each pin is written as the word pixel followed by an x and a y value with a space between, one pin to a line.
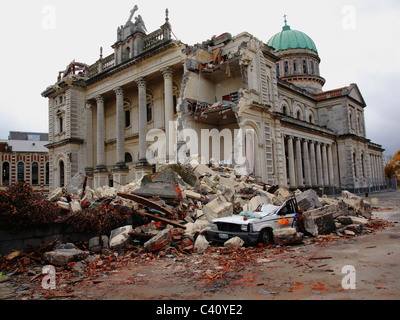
pixel 142 167
pixel 285 173
pixel 325 165
pixel 169 113
pixel 300 182
pixel 120 127
pixel 306 165
pixel 89 143
pixel 100 165
pixel 141 83
pixel 120 171
pixel 319 165
pixel 89 137
pixel 292 175
pixel 100 173
pixel 314 180
pixel 330 167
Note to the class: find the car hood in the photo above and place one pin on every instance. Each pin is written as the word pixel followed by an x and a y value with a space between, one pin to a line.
pixel 236 219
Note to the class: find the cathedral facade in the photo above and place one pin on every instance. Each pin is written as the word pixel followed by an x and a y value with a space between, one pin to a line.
pixel 236 100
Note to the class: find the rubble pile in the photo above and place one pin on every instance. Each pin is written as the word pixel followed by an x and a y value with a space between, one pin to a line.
pixel 168 214
pixel 174 207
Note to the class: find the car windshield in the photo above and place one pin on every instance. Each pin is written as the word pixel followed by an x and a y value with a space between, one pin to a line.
pixel 250 215
pixel 261 211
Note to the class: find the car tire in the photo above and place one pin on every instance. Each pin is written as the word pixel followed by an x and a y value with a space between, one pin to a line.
pixel 266 236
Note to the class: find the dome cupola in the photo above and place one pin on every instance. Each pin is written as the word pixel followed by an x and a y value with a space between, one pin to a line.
pixel 299 62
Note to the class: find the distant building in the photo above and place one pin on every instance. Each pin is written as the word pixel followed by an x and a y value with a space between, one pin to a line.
pixel 24 157
pixel 297 135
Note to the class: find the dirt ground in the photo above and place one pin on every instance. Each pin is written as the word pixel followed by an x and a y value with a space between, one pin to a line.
pixel 313 270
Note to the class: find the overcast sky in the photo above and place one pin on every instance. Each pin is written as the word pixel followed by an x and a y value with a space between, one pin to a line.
pixel 357 40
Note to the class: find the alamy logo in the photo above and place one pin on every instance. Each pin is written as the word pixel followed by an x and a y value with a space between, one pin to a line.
pixel 349 280
pixel 49 281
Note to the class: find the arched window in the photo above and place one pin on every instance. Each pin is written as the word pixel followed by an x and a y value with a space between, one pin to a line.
pixel 128 157
pixel 286 65
pixel 47 174
pixel 310 118
pixel 35 174
pixel 62 173
pixel 362 165
pixel 312 67
pixel 5 174
pixel 305 69
pixel 149 106
pixel 21 171
pixel 298 115
pixel 355 164
pixel 295 67
pixel 284 110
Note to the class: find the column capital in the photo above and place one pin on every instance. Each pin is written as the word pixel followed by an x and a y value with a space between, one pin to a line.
pixel 99 99
pixel 141 82
pixel 119 92
pixel 88 104
pixel 167 72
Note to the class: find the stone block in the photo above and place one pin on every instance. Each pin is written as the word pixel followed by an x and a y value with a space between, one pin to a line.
pixel 218 208
pixel 191 194
pixel 319 221
pixel 287 236
pixel 283 193
pixel 120 237
pixel 308 200
pixel 201 244
pixel 159 241
pixel 62 257
pixel 360 206
pixel 75 206
pixel 94 244
pixel 233 243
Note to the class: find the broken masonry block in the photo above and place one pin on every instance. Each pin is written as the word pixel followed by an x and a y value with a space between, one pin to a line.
pixel 62 257
pixel 201 244
pixel 308 200
pixel 159 241
pixel 233 243
pixel 287 236
pixel 95 246
pixel 218 208
pixel 319 221
pixel 358 204
pixel 119 237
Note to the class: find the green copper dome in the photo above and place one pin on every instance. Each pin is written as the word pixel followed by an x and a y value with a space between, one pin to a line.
pixel 291 39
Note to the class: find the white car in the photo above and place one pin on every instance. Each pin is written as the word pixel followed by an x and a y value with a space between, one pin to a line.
pixel 255 227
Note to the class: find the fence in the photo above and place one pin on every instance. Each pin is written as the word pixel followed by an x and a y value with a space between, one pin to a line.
pixel 375 185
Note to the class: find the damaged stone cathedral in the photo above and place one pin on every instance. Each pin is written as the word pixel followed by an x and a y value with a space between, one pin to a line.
pixel 149 102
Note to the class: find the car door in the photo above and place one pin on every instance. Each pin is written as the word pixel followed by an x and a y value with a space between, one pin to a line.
pixel 287 214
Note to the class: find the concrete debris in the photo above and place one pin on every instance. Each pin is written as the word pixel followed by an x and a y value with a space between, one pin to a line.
pixel 201 244
pixel 175 206
pixel 61 257
pixel 233 243
pixel 308 200
pixel 218 208
pixel 358 204
pixel 120 237
pixel 287 236
pixel 319 221
pixel 159 241
pixel 95 245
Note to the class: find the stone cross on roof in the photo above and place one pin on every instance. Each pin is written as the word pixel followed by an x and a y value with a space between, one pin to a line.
pixel 135 8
